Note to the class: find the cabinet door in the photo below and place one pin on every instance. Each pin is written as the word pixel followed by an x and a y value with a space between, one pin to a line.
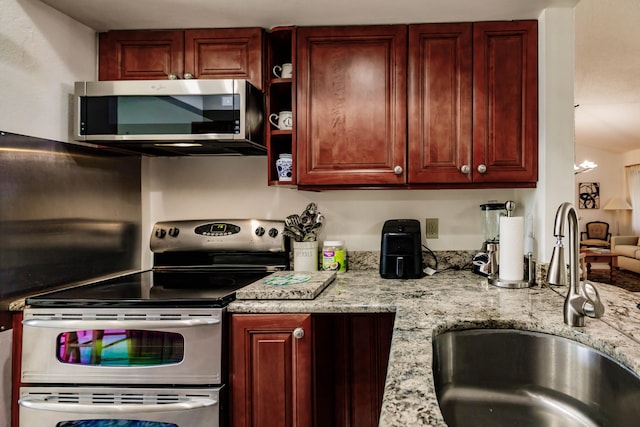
pixel 505 102
pixel 140 55
pixel 351 358
pixel 351 126
pixel 271 370
pixel 234 53
pixel 439 103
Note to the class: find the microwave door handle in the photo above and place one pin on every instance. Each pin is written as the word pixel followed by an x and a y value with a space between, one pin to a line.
pixel 117 324
pixel 38 404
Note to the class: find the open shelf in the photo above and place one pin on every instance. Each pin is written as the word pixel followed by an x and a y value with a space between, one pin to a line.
pixel 280 94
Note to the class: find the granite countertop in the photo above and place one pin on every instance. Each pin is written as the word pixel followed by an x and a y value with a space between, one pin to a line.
pixel 457 300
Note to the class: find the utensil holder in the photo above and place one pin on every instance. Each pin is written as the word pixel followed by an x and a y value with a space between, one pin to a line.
pixel 305 256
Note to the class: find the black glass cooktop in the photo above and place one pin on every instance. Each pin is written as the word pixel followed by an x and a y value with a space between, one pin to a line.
pixel 154 289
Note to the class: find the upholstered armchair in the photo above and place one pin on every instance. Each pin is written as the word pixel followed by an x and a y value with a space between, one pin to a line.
pixel 597 234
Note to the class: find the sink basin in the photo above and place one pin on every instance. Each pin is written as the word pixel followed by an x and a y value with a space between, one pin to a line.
pixel 507 377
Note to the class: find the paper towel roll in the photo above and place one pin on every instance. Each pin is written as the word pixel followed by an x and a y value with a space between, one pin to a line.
pixel 511 248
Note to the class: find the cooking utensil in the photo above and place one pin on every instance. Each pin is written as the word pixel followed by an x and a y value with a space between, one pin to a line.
pixel 292 221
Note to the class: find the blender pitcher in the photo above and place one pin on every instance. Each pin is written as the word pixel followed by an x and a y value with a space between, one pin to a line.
pixel 486 262
pixel 490 214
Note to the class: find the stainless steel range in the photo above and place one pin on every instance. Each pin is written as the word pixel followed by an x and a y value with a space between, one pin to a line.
pixel 146 349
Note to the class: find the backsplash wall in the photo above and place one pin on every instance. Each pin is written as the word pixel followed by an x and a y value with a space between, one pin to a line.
pixel 67 213
pixel 234 187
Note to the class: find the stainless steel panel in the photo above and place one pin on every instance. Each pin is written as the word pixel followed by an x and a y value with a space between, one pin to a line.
pixel 67 213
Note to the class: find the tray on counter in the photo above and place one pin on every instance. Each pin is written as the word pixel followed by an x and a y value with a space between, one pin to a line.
pixel 299 285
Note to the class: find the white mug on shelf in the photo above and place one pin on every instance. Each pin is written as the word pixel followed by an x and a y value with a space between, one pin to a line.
pixel 283 121
pixel 284 71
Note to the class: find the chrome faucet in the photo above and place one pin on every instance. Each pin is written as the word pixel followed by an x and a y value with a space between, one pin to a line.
pixel 583 298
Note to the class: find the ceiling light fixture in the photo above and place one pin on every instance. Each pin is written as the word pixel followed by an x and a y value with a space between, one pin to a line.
pixel 585 166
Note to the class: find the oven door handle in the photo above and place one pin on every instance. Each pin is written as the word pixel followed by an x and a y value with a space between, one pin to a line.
pixel 118 324
pixel 39 404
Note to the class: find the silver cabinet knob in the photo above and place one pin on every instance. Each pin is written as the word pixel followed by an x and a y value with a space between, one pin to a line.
pixel 187 76
pixel 465 169
pixel 172 77
pixel 482 168
pixel 298 333
pixel 398 170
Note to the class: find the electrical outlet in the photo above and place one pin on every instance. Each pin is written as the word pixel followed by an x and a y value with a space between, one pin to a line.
pixel 431 228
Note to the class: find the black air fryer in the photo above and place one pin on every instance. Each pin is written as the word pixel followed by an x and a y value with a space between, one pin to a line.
pixel 401 249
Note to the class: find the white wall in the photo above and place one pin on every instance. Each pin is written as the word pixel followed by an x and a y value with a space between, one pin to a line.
pixel 610 175
pixel 42 53
pixel 631 158
pixel 233 187
pixel 557 45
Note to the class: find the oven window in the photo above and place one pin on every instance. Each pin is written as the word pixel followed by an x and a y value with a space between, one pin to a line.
pixel 113 423
pixel 120 347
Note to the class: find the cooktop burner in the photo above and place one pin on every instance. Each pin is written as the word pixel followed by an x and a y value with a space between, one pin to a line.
pixel 196 263
pixel 154 289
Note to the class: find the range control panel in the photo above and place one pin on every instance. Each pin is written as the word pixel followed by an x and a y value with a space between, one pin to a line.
pixel 218 235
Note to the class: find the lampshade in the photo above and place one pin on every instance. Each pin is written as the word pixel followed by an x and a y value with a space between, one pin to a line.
pixel 617 204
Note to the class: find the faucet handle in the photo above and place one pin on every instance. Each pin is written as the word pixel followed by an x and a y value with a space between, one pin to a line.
pixel 592 305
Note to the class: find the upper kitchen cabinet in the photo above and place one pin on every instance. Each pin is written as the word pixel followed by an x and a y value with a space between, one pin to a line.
pixel 505 102
pixel 351 94
pixel 203 53
pixel 439 102
pixel 472 103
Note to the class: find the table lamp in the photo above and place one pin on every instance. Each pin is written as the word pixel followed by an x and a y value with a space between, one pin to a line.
pixel 617 204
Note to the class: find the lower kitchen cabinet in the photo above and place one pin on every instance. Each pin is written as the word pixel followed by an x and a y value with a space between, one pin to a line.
pixel 271 369
pixel 308 370
pixel 350 368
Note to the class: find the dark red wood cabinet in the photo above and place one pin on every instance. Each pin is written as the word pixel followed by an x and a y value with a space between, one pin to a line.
pixel 199 53
pixel 270 370
pixel 351 92
pixel 280 96
pixel 332 375
pixel 465 116
pixel 505 102
pixel 439 102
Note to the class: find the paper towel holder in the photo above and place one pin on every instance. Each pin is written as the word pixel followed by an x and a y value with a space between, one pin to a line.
pixel 528 280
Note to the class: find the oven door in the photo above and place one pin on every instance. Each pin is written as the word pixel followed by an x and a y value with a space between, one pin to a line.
pixel 107 406
pixel 122 346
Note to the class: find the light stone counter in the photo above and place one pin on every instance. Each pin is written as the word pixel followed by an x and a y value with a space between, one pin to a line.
pixel 457 300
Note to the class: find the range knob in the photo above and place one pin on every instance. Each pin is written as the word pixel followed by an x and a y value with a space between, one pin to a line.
pixel 260 231
pixel 160 233
pixel 273 232
pixel 173 232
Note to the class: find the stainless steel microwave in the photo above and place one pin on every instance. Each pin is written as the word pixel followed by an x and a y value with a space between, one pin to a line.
pixel 171 117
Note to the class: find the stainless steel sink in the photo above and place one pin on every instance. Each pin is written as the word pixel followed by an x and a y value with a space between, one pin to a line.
pixel 507 377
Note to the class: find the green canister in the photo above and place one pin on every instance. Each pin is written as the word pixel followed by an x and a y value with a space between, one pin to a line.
pixel 334 256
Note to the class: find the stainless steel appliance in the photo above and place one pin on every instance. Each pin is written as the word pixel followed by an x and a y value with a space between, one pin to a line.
pixel 109 406
pixel 171 117
pixel 149 333
pixel 485 262
pixel 401 249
